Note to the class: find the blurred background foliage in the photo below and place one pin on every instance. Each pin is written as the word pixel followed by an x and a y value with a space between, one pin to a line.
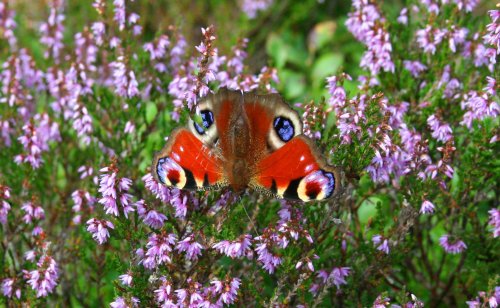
pixel 305 40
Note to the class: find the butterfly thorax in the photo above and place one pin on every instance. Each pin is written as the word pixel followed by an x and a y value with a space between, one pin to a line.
pixel 238 148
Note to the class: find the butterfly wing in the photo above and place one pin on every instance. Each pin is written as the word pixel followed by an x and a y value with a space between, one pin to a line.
pixel 296 171
pixel 187 163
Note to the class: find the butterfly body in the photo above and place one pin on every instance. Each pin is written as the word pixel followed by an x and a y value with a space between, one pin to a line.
pixel 246 140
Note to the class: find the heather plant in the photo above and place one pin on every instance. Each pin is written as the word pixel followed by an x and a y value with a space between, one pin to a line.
pixel 401 97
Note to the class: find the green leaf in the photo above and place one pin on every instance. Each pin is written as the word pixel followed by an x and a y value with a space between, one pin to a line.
pixel 295 83
pixel 151 112
pixel 326 65
pixel 321 35
pixel 277 50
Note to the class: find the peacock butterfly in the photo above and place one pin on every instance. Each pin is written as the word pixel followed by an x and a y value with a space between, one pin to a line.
pixel 246 140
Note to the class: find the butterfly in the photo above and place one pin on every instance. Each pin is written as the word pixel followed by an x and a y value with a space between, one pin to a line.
pixel 246 140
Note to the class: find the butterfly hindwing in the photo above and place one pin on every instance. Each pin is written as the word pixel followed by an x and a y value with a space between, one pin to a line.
pixel 187 163
pixel 295 171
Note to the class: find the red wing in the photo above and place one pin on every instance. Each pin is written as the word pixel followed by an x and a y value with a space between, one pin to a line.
pixel 295 171
pixel 186 163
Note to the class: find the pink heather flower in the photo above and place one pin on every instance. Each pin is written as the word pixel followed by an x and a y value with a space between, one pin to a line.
pixel 149 216
pixel 306 261
pixel 429 38
pixel 336 277
pixel 492 37
pixel 228 289
pixel 52 33
pixel 129 127
pixel 495 221
pixel 431 6
pixel 36 140
pixel 82 123
pixel 81 197
pixel 467 5
pixel 32 212
pixel 338 94
pixel 86 56
pixel 190 295
pixel 362 19
pixel 190 246
pixel 158 49
pixel 478 106
pixel 126 279
pixel 120 15
pixel 414 67
pixel 5 132
pixel 30 75
pixel 381 302
pixel 484 56
pixel 403 16
pixel 179 202
pixel 432 170
pixel 114 42
pixel 441 131
pixel 85 171
pixel 252 7
pixel 363 24
pixel 8 288
pixel 124 79
pixel 455 247
pixel 4 205
pixel 99 229
pixel 397 112
pixel 350 117
pixel 491 87
pixel 381 243
pixel 486 300
pixel 160 191
pixel 98 30
pixel 268 260
pixel 164 294
pixel 235 249
pixel 120 302
pixel 159 248
pixel 456 36
pixel 43 280
pixel 177 52
pixel 389 164
pixel 112 190
pixel 427 207
pixel 378 56
pixel 7 25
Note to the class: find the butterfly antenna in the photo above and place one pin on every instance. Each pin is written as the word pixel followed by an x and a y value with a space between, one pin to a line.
pixel 250 219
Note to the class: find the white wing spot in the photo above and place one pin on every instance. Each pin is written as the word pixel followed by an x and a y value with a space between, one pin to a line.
pixel 176 156
pixel 309 167
pixel 181 148
pixel 302 158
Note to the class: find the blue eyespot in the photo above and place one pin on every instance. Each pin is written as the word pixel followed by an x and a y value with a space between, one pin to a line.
pixel 284 128
pixel 207 119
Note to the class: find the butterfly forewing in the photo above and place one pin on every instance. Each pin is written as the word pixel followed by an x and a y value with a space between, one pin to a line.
pixel 296 171
pixel 186 163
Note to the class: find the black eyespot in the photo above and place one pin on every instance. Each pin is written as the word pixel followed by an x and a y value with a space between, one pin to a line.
pixel 207 119
pixel 284 128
